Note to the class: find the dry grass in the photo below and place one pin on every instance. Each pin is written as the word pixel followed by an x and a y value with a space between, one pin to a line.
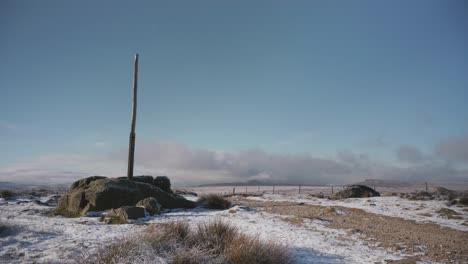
pixel 214 201
pixel 449 214
pixel 212 243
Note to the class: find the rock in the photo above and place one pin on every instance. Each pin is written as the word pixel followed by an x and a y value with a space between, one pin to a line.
pixel 99 194
pixel 464 199
pixel 151 205
pixel 122 214
pixel 164 183
pixel 85 182
pixel 356 191
pixel 143 178
pixel 445 194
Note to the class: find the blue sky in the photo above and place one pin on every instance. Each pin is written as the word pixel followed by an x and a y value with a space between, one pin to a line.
pixel 287 80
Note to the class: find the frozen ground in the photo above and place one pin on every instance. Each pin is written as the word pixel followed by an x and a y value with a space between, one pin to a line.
pixel 41 238
pixel 420 211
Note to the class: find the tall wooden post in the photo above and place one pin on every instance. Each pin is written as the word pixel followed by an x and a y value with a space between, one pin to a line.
pixel 131 144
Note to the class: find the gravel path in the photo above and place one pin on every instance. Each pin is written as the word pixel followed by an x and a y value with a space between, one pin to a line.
pixel 430 241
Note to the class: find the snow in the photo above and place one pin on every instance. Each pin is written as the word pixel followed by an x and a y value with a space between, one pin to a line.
pixel 420 211
pixel 43 238
pixel 56 239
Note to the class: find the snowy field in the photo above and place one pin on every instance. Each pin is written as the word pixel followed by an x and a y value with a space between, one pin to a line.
pixel 41 238
pixel 420 211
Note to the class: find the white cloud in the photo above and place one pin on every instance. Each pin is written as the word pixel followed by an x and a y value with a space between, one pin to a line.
pixel 188 166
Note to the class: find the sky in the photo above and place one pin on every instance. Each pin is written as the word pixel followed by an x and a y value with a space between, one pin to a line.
pixel 312 92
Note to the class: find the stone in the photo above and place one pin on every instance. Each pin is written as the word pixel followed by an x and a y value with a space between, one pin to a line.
pixel 164 183
pixel 356 191
pixel 143 178
pixel 85 182
pixel 122 214
pixel 99 194
pixel 464 199
pixel 151 205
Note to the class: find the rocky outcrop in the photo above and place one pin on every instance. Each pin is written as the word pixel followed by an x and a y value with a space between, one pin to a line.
pixel 356 191
pixel 99 193
pixel 122 214
pixel 164 183
pixel 151 205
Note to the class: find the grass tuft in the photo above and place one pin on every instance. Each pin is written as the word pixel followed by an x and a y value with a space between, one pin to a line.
pixel 176 243
pixel 214 201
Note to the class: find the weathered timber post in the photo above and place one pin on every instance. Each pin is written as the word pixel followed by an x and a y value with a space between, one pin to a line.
pixel 299 189
pixel 273 189
pixel 233 190
pixel 332 189
pixel 426 187
pixel 131 144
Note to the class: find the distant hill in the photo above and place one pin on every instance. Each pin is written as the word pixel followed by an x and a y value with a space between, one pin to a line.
pixel 252 183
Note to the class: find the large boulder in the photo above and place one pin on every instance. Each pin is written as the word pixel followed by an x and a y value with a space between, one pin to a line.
pixel 464 199
pixel 143 178
pixel 151 205
pixel 122 214
pixel 356 191
pixel 164 183
pixel 100 193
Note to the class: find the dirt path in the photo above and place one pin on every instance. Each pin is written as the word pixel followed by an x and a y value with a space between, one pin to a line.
pixel 430 240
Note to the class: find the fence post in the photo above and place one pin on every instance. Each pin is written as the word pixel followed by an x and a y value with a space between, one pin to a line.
pixel 233 190
pixel 426 187
pixel 273 189
pixel 332 189
pixel 299 189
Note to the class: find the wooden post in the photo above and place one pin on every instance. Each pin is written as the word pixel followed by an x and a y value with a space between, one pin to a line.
pixel 299 189
pixel 273 189
pixel 426 187
pixel 332 189
pixel 233 190
pixel 131 144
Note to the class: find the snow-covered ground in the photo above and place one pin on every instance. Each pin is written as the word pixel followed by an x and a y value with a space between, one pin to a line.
pixel 42 238
pixel 420 211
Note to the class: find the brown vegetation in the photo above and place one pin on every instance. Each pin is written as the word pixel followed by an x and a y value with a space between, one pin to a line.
pixel 176 243
pixel 214 201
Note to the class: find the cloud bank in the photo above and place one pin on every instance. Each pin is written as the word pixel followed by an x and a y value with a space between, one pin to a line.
pixel 187 165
